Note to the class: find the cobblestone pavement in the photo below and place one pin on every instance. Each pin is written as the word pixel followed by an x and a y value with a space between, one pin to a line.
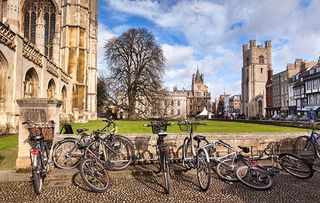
pixel 148 188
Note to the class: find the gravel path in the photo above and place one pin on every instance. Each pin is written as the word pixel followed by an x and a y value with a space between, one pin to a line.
pixel 148 188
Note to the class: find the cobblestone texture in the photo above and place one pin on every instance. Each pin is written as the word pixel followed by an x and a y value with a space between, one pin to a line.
pixel 148 188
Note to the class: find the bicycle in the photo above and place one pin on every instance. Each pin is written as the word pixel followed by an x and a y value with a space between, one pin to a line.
pixel 160 128
pixel 195 156
pixel 259 177
pixel 308 147
pixel 39 153
pixel 93 168
pixel 118 149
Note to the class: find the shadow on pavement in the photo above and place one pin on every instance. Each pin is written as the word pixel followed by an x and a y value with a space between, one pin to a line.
pixel 77 181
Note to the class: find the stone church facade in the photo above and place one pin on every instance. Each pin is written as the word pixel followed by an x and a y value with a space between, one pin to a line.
pixel 48 49
pixel 257 62
pixel 199 97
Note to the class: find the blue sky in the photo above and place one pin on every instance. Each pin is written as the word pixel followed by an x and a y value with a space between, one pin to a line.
pixel 210 34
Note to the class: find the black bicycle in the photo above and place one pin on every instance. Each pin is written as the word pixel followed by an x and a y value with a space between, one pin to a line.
pixel 118 149
pixel 39 153
pixel 160 128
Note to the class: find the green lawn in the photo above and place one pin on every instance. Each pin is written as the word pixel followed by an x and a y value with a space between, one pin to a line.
pixel 8 152
pixel 131 127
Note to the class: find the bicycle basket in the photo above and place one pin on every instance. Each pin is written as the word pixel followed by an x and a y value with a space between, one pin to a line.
pixel 34 131
pixel 158 127
pixel 48 133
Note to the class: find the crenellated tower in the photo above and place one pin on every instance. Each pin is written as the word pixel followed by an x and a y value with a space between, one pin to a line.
pixel 257 62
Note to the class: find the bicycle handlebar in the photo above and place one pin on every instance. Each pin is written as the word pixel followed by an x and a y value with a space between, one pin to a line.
pixel 186 122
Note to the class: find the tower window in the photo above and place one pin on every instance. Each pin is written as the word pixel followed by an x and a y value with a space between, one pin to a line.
pixel 261 59
pixel 261 70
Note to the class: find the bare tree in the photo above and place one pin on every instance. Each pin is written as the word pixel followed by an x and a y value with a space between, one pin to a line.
pixel 136 64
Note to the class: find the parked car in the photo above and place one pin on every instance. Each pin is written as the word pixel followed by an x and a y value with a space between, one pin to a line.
pixel 292 117
pixel 304 118
pixel 277 117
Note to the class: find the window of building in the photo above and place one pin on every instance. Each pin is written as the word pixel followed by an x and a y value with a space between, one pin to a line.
pixel 172 102
pixel 45 9
pixel 261 70
pixel 261 59
pixel 178 102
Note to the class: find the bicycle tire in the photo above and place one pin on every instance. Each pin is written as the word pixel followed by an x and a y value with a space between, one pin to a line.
pixel 226 170
pixel 122 151
pixel 303 146
pixel 61 154
pixel 94 175
pixel 167 179
pixel 254 177
pixel 203 171
pixel 36 174
pixel 296 166
pixel 186 153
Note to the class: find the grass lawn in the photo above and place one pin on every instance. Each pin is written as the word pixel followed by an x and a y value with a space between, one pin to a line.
pixel 8 152
pixel 130 127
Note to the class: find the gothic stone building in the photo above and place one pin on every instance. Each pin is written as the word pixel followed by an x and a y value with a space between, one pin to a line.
pixel 48 49
pixel 257 61
pixel 199 96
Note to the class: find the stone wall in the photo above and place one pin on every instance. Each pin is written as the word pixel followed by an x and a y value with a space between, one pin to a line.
pixel 146 143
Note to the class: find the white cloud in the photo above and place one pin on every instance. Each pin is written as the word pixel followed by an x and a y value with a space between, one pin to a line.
pixel 103 35
pixel 212 45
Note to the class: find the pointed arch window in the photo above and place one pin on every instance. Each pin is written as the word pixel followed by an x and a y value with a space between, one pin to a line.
pixel 40 11
pixel 261 59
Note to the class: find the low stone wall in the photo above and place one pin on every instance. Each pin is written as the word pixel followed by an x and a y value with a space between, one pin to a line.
pixel 145 144
pixel 297 124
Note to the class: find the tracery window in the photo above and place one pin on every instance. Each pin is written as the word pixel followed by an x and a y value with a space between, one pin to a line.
pixel 43 10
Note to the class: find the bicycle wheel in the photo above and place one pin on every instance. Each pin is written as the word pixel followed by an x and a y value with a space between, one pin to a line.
pixel 120 153
pixel 303 146
pixel 187 154
pixel 296 166
pixel 254 177
pixel 203 171
pixel 166 170
pixel 66 154
pixel 226 170
pixel 36 174
pixel 94 175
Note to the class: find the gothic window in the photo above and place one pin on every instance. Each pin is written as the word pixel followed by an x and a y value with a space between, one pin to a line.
pixel 261 59
pixel 36 11
pixel 64 99
pixel 3 82
pixel 31 84
pixel 260 107
pixel 51 89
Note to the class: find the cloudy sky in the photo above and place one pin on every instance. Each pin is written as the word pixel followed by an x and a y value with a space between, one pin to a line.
pixel 209 34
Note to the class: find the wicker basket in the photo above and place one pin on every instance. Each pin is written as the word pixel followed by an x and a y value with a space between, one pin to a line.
pixel 48 132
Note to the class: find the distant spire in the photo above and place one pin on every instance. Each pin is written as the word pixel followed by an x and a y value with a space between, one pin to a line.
pixel 198 79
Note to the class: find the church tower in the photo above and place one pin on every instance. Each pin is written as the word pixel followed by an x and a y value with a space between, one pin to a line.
pixel 257 62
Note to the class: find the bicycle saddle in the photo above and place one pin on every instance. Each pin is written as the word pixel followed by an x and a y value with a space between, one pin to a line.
pixel 199 137
pixel 81 130
pixel 36 138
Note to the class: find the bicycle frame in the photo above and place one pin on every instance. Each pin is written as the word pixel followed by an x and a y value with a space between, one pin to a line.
pixel 232 153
